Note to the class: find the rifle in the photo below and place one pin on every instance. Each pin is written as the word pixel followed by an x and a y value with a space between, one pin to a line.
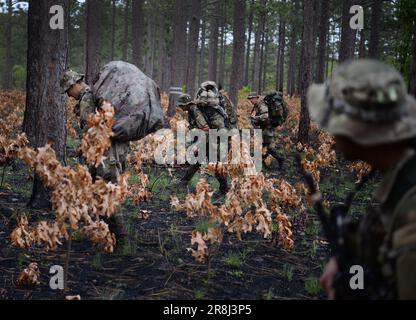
pixel 334 228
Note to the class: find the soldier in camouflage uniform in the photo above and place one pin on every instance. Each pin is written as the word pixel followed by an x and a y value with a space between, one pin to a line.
pixel 270 134
pixel 367 108
pixel 203 118
pixel 115 161
pixel 228 106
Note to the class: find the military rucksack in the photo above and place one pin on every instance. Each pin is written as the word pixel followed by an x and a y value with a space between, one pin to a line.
pixel 208 95
pixel 135 97
pixel 278 110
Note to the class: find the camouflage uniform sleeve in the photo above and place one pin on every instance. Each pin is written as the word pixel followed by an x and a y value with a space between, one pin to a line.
pixel 262 114
pixel 200 121
pixel 404 247
pixel 86 107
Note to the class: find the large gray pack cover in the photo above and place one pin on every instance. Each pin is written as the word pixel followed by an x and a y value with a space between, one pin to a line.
pixel 135 97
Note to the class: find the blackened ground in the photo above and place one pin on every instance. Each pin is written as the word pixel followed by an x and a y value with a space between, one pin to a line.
pixel 153 261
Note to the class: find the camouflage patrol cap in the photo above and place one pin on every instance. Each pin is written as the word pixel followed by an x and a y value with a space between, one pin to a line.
pixel 366 101
pixel 184 100
pixel 70 78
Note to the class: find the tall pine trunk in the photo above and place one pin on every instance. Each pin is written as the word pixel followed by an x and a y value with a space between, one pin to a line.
pixel 306 67
pixel 8 62
pixel 248 46
pixel 202 53
pixel 213 43
pixel 413 64
pixel 221 69
pixel 237 67
pixel 348 35
pixel 280 65
pixel 178 58
pixel 93 41
pixel 138 32
pixel 376 19
pixel 323 36
pixel 126 31
pixel 257 49
pixel 113 30
pixel 45 113
pixel 193 45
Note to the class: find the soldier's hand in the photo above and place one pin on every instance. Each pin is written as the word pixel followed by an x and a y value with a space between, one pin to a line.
pixel 327 278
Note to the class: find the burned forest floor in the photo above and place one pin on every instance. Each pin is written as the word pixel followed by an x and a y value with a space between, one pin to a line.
pixel 152 261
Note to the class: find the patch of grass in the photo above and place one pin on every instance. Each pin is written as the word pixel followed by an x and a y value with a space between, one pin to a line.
pixel 129 248
pixel 203 225
pixel 234 260
pixel 236 273
pixel 200 294
pixel 97 262
pixel 269 295
pixel 78 236
pixel 288 272
pixel 312 286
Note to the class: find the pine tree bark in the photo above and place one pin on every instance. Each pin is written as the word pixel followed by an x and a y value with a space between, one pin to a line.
pixel 221 68
pixel 45 113
pixel 292 69
pixel 376 19
pixel 213 43
pixel 280 64
pixel 257 49
pixel 177 66
pixel 237 67
pixel 202 53
pixel 8 62
pixel 248 46
pixel 93 41
pixel 361 51
pixel 138 32
pixel 306 65
pixel 113 30
pixel 347 47
pixel 126 31
pixel 193 46
pixel 323 36
pixel 413 64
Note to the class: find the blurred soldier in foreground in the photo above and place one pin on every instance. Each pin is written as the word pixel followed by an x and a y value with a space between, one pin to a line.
pixel 366 107
pixel 270 113
pixel 203 118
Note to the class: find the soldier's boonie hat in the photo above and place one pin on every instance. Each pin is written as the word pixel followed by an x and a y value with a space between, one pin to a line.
pixel 253 95
pixel 366 101
pixel 70 78
pixel 184 100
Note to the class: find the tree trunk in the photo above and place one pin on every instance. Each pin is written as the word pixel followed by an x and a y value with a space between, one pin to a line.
pixel 93 47
pixel 413 64
pixel 138 28
pixel 376 19
pixel 202 53
pixel 292 69
pixel 306 65
pixel 260 80
pixel 177 65
pixel 323 36
pixel 45 114
pixel 248 46
pixel 8 62
pixel 237 67
pixel 280 65
pixel 347 47
pixel 113 30
pixel 162 77
pixel 221 69
pixel 265 64
pixel 361 51
pixel 213 44
pixel 257 50
pixel 193 45
pixel 126 31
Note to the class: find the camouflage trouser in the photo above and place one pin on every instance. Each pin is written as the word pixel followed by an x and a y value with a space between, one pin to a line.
pixel 272 144
pixel 115 162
